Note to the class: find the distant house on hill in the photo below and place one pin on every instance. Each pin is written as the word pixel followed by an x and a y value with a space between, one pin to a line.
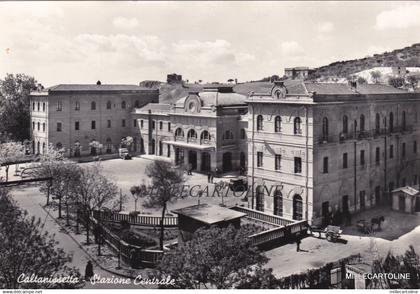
pixel 173 78
pixel 301 72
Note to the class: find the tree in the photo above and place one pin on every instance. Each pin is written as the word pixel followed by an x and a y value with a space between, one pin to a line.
pixel 165 181
pixel 126 142
pixel 376 76
pixel 10 153
pixel 14 105
pixel 407 263
pixel 396 82
pixel 413 80
pixel 230 80
pixel 361 81
pixel 27 248
pixel 94 191
pixel 216 258
pixel 137 192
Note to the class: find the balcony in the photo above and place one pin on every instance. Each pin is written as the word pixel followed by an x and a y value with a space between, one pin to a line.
pixel 179 138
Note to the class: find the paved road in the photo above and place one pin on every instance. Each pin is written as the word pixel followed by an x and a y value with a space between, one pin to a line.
pixel 30 198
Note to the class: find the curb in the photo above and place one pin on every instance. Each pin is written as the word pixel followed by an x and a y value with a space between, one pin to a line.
pixel 84 250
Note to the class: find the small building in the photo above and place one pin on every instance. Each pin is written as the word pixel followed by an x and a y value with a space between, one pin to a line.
pixel 192 218
pixel 173 78
pixel 406 199
pixel 300 72
pixel 355 275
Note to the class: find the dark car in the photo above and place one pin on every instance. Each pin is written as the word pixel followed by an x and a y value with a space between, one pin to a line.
pixel 239 184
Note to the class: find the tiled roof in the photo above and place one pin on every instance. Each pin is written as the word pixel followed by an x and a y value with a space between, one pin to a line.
pixel 209 214
pixel 209 98
pixel 154 107
pixel 94 87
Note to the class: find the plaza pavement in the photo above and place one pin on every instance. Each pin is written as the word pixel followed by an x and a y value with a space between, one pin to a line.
pixel 284 260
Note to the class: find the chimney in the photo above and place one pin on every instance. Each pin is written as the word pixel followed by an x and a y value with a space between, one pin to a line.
pixel 98 82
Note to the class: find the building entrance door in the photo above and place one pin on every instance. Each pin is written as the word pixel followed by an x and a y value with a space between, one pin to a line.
pixel 401 203
pixel 227 162
pixel 192 159
pixel 179 156
pixel 205 162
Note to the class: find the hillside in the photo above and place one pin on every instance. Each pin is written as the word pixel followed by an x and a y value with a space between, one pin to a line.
pixel 408 56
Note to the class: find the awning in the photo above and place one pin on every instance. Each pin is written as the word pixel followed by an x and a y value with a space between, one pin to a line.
pixel 190 145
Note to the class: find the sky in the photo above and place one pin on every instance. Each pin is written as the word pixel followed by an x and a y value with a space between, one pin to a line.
pixel 128 42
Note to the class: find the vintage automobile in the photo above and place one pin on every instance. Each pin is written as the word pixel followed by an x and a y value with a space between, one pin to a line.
pixel 238 184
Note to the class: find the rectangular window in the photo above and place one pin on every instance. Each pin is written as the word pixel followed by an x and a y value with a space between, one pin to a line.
pixel 141 123
pixel 415 179
pixel 33 125
pixel 391 151
pixel 33 106
pixel 415 147
pixel 344 160
pixel 59 127
pixel 43 106
pixel 362 157
pixel 259 159
pixel 76 125
pixel 325 165
pixel 153 124
pixel 93 125
pixel 108 123
pixel 298 165
pixel 59 105
pixel 169 126
pixel 43 127
pixel 403 150
pixel 160 125
pixel 277 161
pixel 123 123
pixel 134 122
pixel 378 155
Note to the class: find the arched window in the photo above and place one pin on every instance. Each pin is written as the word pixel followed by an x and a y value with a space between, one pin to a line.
pixel 345 124
pixel 391 122
pixel 296 126
pixel 108 145
pixel 43 148
pixel 179 132
pixel 297 207
pixel 325 129
pixel 205 136
pixel 77 106
pixel 404 122
pixel 137 104
pixel 108 105
pixel 278 203
pixel 277 124
pixel 192 134
pixel 377 123
pixel 259 205
pixel 362 123
pixel 243 134
pixel 260 122
pixel 123 105
pixel 38 147
pixel 93 105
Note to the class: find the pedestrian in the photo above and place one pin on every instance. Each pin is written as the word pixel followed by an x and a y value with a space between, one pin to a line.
pixel 88 271
pixel 209 177
pixel 298 241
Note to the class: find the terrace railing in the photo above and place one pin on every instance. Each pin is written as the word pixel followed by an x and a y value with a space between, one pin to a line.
pixel 264 217
pixel 139 219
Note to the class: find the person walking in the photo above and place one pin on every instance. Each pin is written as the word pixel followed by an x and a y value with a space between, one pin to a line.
pixel 298 241
pixel 209 177
pixel 89 271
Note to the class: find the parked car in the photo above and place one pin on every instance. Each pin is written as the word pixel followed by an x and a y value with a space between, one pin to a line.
pixel 238 184
pixel 124 154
